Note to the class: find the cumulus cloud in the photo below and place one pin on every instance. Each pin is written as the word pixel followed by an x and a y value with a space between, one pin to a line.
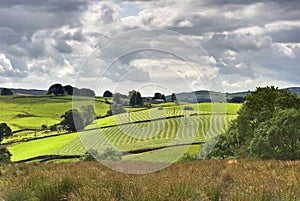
pixel 246 42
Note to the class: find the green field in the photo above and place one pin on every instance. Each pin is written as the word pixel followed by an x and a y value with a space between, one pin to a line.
pixel 21 112
pixel 187 123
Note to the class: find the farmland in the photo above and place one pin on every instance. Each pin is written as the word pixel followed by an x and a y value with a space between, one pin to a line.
pixel 140 128
pixel 170 124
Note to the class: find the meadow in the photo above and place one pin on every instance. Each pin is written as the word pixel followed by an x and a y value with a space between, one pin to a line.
pixel 200 180
pixel 164 124
pixel 31 112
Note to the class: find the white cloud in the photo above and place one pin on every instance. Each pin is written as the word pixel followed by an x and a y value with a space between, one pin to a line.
pixel 245 41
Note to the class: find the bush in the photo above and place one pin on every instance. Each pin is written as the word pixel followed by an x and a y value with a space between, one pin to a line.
pixel 188 108
pixel 108 154
pixel 188 157
pixel 4 155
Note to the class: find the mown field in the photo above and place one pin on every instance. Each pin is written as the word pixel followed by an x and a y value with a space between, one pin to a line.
pixel 192 123
pixel 201 180
pixel 31 112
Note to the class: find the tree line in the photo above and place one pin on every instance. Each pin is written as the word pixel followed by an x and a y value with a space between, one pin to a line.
pixel 59 90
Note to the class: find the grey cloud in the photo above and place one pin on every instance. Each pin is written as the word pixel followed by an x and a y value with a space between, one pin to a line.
pixel 287 36
pixel 8 36
pixel 63 47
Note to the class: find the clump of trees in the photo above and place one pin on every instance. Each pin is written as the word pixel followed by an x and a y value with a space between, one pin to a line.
pixel 6 92
pixel 75 120
pixel 5 132
pixel 107 94
pixel 109 154
pixel 59 90
pixel 119 101
pixel 135 99
pixel 267 127
pixel 237 99
pixel 158 95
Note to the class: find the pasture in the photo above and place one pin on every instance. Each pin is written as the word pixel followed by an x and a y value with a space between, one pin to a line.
pixel 133 136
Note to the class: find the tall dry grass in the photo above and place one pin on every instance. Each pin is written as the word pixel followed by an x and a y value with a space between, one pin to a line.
pixel 200 180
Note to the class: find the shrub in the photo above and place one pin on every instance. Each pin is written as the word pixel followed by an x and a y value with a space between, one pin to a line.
pixel 108 154
pixel 188 108
pixel 188 157
pixel 4 155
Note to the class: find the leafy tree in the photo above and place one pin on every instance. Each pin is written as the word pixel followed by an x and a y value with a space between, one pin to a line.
pixel 4 155
pixel 115 109
pixel 163 97
pixel 5 131
pixel 173 97
pixel 72 121
pixel 109 154
pixel 279 137
pixel 259 108
pixel 56 89
pixel 88 114
pixel 87 92
pixel 135 98
pixel 117 98
pixel 157 95
pixel 6 92
pixel 76 91
pixel 68 90
pixel 237 99
pixel 107 94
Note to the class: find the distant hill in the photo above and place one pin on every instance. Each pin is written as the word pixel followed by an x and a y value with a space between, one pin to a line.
pixel 30 92
pixel 201 95
pixel 205 96
pixel 295 90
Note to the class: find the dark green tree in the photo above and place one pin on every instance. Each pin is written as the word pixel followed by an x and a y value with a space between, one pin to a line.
pixel 87 92
pixel 115 109
pixel 237 99
pixel 135 99
pixel 6 92
pixel 279 137
pixel 157 95
pixel 72 121
pixel 68 90
pixel 88 114
pixel 107 94
pixel 4 155
pixel 5 131
pixel 56 89
pixel 117 98
pixel 260 106
pixel 173 97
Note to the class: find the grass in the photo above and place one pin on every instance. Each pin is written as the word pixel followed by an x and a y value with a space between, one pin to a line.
pixel 126 138
pixel 21 112
pixel 135 136
pixel 166 155
pixel 51 145
pixel 200 180
pixel 168 111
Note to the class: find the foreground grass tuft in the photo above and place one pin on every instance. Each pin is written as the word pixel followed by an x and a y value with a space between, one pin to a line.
pixel 199 180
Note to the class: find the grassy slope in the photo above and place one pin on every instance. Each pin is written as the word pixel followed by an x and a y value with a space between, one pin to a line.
pixel 21 112
pixel 51 145
pixel 163 135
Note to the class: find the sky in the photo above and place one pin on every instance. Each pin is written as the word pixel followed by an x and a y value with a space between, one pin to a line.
pixel 160 45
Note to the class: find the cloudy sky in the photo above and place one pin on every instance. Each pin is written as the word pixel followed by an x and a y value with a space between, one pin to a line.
pixel 166 45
